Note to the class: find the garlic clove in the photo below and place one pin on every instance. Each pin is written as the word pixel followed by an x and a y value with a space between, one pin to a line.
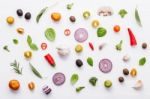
pixel 126 58
pixel 138 85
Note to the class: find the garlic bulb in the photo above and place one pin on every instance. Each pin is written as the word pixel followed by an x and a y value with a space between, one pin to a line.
pixel 63 51
pixel 138 85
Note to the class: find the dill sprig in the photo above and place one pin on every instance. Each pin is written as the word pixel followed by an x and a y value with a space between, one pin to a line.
pixel 16 67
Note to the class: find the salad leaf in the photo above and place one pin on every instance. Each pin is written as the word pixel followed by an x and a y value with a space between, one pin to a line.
pixel 74 78
pixel 50 34
pixel 142 61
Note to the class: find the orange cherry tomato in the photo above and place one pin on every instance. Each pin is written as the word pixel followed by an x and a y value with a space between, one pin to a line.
pixel 116 28
pixel 14 84
pixel 43 46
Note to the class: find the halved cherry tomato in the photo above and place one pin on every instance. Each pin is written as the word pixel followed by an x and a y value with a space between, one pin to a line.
pixel 43 46
pixel 67 32
pixel 116 28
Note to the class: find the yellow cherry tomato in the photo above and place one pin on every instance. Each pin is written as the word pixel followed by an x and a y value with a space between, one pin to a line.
pixel 56 16
pixel 20 30
pixel 14 84
pixel 31 85
pixel 95 23
pixel 10 20
pixel 78 48
pixel 28 54
pixel 133 72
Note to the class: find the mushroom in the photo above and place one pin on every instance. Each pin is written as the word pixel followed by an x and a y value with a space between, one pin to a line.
pixel 62 50
pixel 105 11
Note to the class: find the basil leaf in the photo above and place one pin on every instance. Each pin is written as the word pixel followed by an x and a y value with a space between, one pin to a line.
pixel 90 61
pixel 29 39
pixel 40 14
pixel 122 13
pixel 74 78
pixel 33 47
pixel 137 17
pixel 93 81
pixel 15 41
pixel 50 34
pixel 101 32
pixel 142 61
pixel 78 89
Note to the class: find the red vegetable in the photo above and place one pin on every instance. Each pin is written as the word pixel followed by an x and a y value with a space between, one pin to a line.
pixel 91 46
pixel 50 59
pixel 43 46
pixel 132 38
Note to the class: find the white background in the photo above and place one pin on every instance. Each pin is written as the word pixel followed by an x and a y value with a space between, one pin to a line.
pixel 66 65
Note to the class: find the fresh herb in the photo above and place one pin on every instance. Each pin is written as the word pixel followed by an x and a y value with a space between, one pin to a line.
pixel 78 89
pixel 119 46
pixel 90 61
pixel 101 32
pixel 34 70
pixel 6 48
pixel 93 81
pixel 122 13
pixel 142 61
pixel 137 17
pixel 74 78
pixel 40 14
pixel 15 41
pixel 50 34
pixel 69 6
pixel 16 67
pixel 31 45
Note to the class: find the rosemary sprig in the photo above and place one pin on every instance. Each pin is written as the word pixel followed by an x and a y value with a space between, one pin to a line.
pixel 16 67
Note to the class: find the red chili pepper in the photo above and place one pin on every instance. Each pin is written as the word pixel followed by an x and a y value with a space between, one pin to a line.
pixel 91 46
pixel 132 38
pixel 43 46
pixel 50 59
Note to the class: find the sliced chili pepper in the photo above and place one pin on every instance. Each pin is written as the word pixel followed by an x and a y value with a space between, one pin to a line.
pixel 67 32
pixel 43 46
pixel 50 59
pixel 91 46
pixel 133 41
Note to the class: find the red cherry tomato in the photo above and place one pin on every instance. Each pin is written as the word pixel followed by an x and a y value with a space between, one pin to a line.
pixel 116 28
pixel 67 32
pixel 43 46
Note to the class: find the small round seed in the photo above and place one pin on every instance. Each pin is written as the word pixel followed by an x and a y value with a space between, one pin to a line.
pixel 125 71
pixel 79 62
pixel 144 45
pixel 121 79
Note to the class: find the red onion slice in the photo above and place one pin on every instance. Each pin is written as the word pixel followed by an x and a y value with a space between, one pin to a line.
pixel 58 79
pixel 105 65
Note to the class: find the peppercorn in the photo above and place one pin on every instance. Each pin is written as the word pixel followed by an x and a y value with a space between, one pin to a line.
pixel 121 79
pixel 19 12
pixel 28 16
pixel 79 62
pixel 72 18
pixel 144 45
pixel 125 71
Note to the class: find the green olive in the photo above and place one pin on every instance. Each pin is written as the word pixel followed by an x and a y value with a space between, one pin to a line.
pixel 107 83
pixel 86 14
pixel 28 54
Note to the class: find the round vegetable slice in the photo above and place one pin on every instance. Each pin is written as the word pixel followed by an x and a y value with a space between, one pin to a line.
pixel 43 46
pixel 105 65
pixel 59 79
pixel 81 35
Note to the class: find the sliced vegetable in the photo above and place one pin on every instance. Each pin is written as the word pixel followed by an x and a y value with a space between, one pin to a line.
pixel 142 61
pixel 59 79
pixel 105 65
pixel 41 13
pixel 91 46
pixel 78 89
pixel 133 41
pixel 137 17
pixel 101 32
pixel 122 13
pixel 34 70
pixel 90 61
pixel 50 34
pixel 93 81
pixel 74 78
pixel 119 46
pixel 44 46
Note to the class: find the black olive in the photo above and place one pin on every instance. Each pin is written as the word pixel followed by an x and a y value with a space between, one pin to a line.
pixel 72 19
pixel 19 12
pixel 28 15
pixel 79 63
pixel 125 71
pixel 144 45
pixel 121 79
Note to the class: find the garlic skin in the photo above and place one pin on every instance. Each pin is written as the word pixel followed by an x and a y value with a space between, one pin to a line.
pixel 62 51
pixel 138 85
pixel 126 58
pixel 105 11
pixel 101 46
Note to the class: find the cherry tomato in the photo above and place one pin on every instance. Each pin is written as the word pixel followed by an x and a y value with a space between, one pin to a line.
pixel 116 28
pixel 67 32
pixel 43 46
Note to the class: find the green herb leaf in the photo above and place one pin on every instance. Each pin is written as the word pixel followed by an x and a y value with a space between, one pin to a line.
pixel 50 34
pixel 31 45
pixel 29 39
pixel 15 41
pixel 16 67
pixel 101 32
pixel 69 6
pixel 90 61
pixel 122 13
pixel 35 71
pixel 119 46
pixel 74 78
pixel 93 81
pixel 40 14
pixel 142 61
pixel 6 48
pixel 78 89
pixel 137 17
